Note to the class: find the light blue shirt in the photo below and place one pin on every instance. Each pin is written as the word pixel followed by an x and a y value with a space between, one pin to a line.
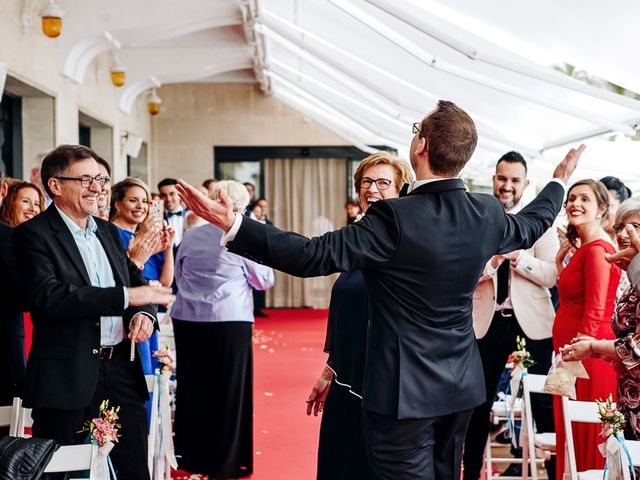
pixel 215 285
pixel 99 269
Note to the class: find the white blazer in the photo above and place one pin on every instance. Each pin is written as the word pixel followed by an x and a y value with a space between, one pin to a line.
pixel 529 283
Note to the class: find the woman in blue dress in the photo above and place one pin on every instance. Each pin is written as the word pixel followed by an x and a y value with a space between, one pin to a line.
pixel 130 200
pixel 338 391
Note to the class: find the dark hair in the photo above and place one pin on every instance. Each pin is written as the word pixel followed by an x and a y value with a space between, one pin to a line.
pixel 451 138
pixel 602 199
pixel 7 210
pixel 615 185
pixel 166 182
pixel 104 163
pixel 208 182
pixel 513 157
pixel 259 199
pixel 351 202
pixel 59 159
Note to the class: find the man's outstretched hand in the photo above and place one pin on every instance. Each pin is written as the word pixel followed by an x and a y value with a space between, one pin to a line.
pixel 220 212
pixel 566 167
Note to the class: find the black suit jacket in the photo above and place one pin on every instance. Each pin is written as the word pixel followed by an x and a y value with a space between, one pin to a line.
pixel 11 322
pixel 62 370
pixel 421 257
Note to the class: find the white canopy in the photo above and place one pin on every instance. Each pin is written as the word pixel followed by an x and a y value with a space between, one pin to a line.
pixel 367 69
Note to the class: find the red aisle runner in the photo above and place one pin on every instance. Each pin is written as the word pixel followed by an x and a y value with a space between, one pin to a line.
pixel 288 358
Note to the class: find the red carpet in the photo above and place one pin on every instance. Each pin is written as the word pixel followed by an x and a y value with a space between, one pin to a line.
pixel 288 360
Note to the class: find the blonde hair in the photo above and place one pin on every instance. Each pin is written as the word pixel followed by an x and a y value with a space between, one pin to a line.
pixel 236 191
pixel 626 208
pixel 403 172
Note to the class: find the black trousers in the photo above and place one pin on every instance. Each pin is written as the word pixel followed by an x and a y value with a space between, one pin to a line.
pixel 495 348
pixel 116 382
pixel 416 448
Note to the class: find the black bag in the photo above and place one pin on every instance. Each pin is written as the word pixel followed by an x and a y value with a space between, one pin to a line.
pixel 25 458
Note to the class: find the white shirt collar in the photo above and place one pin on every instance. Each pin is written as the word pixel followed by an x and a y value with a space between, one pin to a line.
pixel 418 183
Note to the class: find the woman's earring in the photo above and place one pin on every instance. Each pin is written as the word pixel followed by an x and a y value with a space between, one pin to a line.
pixel 599 216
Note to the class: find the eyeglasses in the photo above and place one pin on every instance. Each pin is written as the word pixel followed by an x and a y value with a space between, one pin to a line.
pixel 381 183
pixel 417 128
pixel 618 227
pixel 87 180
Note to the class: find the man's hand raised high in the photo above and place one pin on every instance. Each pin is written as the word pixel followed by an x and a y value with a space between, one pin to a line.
pixel 220 212
pixel 150 295
pixel 566 167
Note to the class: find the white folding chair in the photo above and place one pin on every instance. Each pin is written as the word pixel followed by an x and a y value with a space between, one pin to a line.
pixel 72 458
pixel 533 442
pixel 584 412
pixel 499 413
pixel 24 421
pixel 10 416
pixel 153 385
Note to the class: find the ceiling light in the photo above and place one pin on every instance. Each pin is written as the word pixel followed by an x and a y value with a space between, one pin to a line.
pixel 52 19
pixel 154 103
pixel 118 73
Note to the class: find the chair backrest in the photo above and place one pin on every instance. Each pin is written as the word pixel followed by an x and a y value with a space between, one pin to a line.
pixel 10 416
pixel 531 383
pixel 576 411
pixel 70 458
pixel 153 385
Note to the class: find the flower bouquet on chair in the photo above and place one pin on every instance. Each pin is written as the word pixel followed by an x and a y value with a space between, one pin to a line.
pixel 103 433
pixel 521 360
pixel 618 464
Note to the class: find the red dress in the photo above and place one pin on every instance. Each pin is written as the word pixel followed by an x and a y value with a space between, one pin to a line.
pixel 587 288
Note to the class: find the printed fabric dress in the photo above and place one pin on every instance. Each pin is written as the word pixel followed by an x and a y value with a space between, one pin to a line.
pixel 587 288
pixel 626 326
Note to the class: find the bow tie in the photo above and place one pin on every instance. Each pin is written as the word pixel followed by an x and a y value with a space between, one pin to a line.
pixel 180 213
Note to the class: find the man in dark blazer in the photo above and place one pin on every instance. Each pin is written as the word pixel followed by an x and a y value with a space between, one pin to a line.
pixel 11 321
pixel 421 255
pixel 88 302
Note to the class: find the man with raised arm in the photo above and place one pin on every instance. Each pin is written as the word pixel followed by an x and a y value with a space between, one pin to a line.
pixel 422 255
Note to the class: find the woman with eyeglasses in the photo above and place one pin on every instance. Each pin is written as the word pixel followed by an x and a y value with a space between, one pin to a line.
pixel 338 391
pixel 624 351
pixel 587 288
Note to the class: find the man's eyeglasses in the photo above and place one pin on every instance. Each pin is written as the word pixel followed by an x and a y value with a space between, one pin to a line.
pixel 618 227
pixel 87 180
pixel 381 183
pixel 417 128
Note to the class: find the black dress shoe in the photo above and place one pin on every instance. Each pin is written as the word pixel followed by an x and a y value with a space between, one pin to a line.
pixel 260 313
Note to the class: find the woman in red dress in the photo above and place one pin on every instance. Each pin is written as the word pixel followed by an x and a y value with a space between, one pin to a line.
pixel 587 288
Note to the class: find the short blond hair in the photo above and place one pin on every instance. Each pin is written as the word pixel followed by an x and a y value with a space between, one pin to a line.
pixel 403 172
pixel 236 191
pixel 626 208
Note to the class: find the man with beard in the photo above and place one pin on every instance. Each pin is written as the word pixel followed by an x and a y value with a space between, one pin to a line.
pixel 512 299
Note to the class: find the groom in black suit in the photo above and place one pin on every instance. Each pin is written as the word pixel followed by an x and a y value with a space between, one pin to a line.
pixel 421 256
pixel 88 302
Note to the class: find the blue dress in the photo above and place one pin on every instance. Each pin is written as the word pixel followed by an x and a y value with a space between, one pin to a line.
pixel 152 270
